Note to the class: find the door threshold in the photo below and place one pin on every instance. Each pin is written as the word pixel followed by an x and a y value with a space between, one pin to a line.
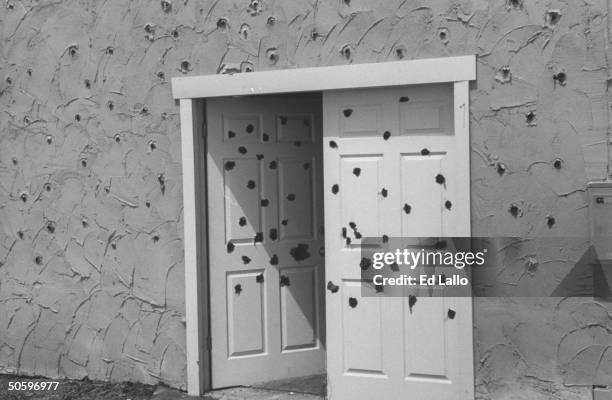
pixel 313 385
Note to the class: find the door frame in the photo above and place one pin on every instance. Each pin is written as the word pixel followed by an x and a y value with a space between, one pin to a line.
pixel 192 92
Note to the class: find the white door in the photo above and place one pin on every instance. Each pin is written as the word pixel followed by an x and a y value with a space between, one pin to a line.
pixel 396 163
pixel 265 238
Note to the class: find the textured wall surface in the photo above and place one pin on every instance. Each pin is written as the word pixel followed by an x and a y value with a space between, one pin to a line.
pixel 91 264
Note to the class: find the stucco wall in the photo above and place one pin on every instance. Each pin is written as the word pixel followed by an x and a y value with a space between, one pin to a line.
pixel 91 264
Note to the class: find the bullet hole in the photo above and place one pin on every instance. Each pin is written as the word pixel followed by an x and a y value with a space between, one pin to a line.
pixel 251 184
pixel 314 35
pixel 242 221
pixel 306 166
pixel 385 239
pixel 258 238
pixel 162 183
pixel 117 138
pixel 384 192
pixel 300 252
pixel 516 3
pixel 250 128
pixel 448 204
pixel 161 75
pixel 114 245
pixel 265 137
pixel 550 221
pixel 333 144
pixel 332 288
pixel 149 28
pixel 451 313
pixel 185 66
pixel 110 50
pixel 110 105
pixel 230 247
pixel 273 165
pixel 335 189
pixel 552 17
pixel 51 227
pixel 356 171
pixel 365 263
pixel 291 197
pixel 400 53
pixel 259 278
pixel 504 75
pixel 530 118
pixel 166 6
pixel 501 168
pixel 15 161
pixel 348 241
pixel 23 197
pixel 379 288
pixel 271 21
pixel 558 163
pixel 229 165
pixel 47 187
pixel 560 77
pixel 404 99
pixel 514 210
pixel 155 238
pixel 412 299
pixel 440 179
pixel 352 302
pixel 84 163
pixel 283 119
pixel 175 33
pixel 242 150
pixel 357 235
pixel 284 280
pixel 274 260
pixel 285 222
pixel 238 288
pixel 532 264
pixel 49 139
pixel 87 83
pixel 443 35
pixel 20 234
pixel 29 71
pixel 246 66
pixel 343 232
pixel 10 6
pixel 231 134
pixel 73 50
pixel 106 189
pixel 347 51
pixel 246 260
pixel 297 143
pixel 255 8
pixel 273 234
pixel 77 117
pixel 38 260
pixel 441 244
pixel 84 222
pixel 8 80
pixel 144 110
pixel 353 225
pixel 272 56
pixel 265 202
pixel 425 152
pixel 152 145
pixel 386 135
pixel 148 204
pixel 347 2
pixel 222 23
pixel 347 112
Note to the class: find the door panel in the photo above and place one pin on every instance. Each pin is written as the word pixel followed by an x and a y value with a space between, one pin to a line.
pixel 265 238
pixel 396 163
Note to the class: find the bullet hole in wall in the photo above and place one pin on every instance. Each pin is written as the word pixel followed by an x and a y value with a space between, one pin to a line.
pixel 152 145
pixel 148 204
pixel 284 280
pixel 448 204
pixel 117 138
pixel 238 288
pixel 242 221
pixel 84 222
pixel 106 189
pixel 558 163
pixel 77 117
pixel 249 128
pixel 14 161
pixel 49 139
pixel 251 184
pixel 347 112
pixel 300 252
pixel 47 187
pixel 530 118
pixel 273 234
pixel 242 150
pixel 560 77
pixel 246 259
pixel 333 144
pixel 51 227
pixel 443 34
pixel 185 66
pixel 532 264
pixel 550 221
pixel 230 247
pixel 166 6
pixel 110 105
pixel 20 234
pixel 386 135
pixel 8 80
pixel 514 210
pixel 500 168
pixel 552 17
pixel 353 225
pixel 265 202
pixel 73 50
pixel 222 23
pixel 400 52
pixel 175 34
pixel 110 50
pixel 412 300
pixel 272 56
pixel 440 179
pixel 162 183
pixel 114 245
pixel 271 21
pixel 38 260
pixel 504 75
pixel 23 197
pixel 356 171
pixel 314 35
pixel 161 75
pixel 348 241
pixel 515 3
pixel 274 260
pixel 148 28
pixel 352 302
pixel 87 83
pixel 365 263
pixel 335 189
pixel 347 2
pixel 407 208
pixel 347 51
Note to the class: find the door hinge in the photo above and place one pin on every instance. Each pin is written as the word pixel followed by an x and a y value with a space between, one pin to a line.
pixel 208 343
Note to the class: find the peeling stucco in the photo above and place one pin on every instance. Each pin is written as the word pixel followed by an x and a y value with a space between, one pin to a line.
pixel 91 263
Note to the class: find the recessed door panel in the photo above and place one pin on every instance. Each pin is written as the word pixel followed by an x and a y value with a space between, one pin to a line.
pixel 299 309
pixel 246 314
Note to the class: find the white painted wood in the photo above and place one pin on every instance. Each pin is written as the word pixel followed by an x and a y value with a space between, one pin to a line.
pixel 381 348
pixel 411 72
pixel 196 296
pixel 265 149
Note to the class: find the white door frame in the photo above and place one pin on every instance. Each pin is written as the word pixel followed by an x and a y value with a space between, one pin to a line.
pixel 192 92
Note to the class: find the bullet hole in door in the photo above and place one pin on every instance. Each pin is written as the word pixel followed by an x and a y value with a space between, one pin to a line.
pixel 291 197
pixel 242 221
pixel 51 227
pixel 242 150
pixel 249 128
pixel 300 252
pixel 231 134
pixel 384 192
pixel 332 288
pixel 306 166
pixel 347 112
pixel 352 302
pixel 162 183
pixel 273 234
pixel 283 119
pixel 348 241
pixel 386 135
pixel 251 184
pixel 412 299
pixel 258 237
pixel 166 6
pixel 343 232
pixel 514 210
pixel 273 165
pixel 558 163
pixel 238 288
pixel 38 260
pixel 365 263
pixel 333 144
pixel 259 156
pixel 451 313
pixel 284 280
pixel 265 202
pixel 229 165
pixel 441 244
pixel 49 139
pixel 404 99
pixel 335 189
pixel 265 137
pixel 274 260
pixel 379 288
pixel 448 204
pixel 385 239
pixel 246 259
pixel 440 179
pixel 550 221
pixel 284 222
pixel 425 152
pixel 230 247
pixel 501 168
pixel 259 278
pixel 297 143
